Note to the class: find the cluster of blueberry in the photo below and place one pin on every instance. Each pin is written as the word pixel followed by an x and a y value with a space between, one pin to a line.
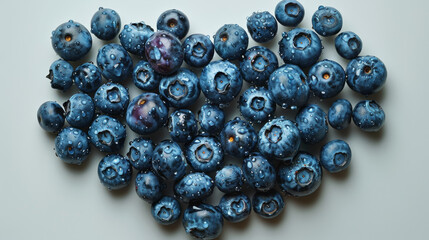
pixel 269 156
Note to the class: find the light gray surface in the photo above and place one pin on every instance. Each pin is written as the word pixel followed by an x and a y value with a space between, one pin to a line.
pixel 383 195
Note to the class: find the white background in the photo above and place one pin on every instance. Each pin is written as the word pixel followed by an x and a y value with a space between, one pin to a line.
pixel 383 195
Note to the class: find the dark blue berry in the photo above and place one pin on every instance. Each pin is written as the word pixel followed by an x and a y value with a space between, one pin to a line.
pixel 203 221
pixel 60 74
pixel 79 110
pixel 235 207
pixel 340 114
pixel 268 204
pixel 326 79
pixel 115 172
pixel 174 22
pixel 259 172
pixel 72 145
pixel 166 210
pixel 180 89
pixel 71 40
pixel 312 123
pixel 257 105
pixel 107 134
pixel 168 160
pixel 112 98
pixel 211 119
pixel 198 50
pixel 149 186
pixel 348 45
pixel 182 125
pixel 327 21
pixel 289 13
pixel 335 156
pixel 238 138
pixel 140 153
pixel 87 77
pixel 145 77
pixel 204 154
pixel 229 179
pixel 194 187
pixel 262 26
pixel 114 62
pixel 105 24
pixel 257 65
pixel 366 75
pixel 231 41
pixel 50 116
pixel 134 36
pixel 368 116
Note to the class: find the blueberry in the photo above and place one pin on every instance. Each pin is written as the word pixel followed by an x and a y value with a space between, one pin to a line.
pixel 105 24
pixel 71 40
pixel 335 156
pixel 107 134
pixel 238 138
pixel 289 13
pixel 257 65
pixel 262 26
pixel 168 160
pixel 140 153
pixel 204 154
pixel 134 36
pixel 301 47
pixel 87 77
pixel 198 50
pixel 368 116
pixel 312 123
pixel 164 52
pixel 301 177
pixel 288 87
pixel 50 116
pixel 60 74
pixel 174 22
pixel 180 89
pixel 182 125
pixel 279 139
pixel 366 75
pixel 340 114
pixel 166 210
pixel 220 81
pixel 114 62
pixel 348 45
pixel 326 79
pixel 211 119
pixel 268 204
pixel 257 105
pixel 79 110
pixel 72 145
pixel 260 174
pixel 149 186
pixel 231 41
pixel 235 207
pixel 146 113
pixel 229 179
pixel 115 172
pixel 144 77
pixel 327 21
pixel 203 221
pixel 194 187
pixel 112 98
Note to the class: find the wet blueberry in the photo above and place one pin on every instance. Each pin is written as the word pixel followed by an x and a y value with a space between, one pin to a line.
pixel 182 125
pixel 312 123
pixel 211 119
pixel 134 36
pixel 326 79
pixel 229 179
pixel 268 204
pixel 115 172
pixel 71 40
pixel 238 138
pixel 112 98
pixel 60 74
pixel 366 75
pixel 87 77
pixel 174 22
pixel 145 78
pixel 203 221
pixel 204 154
pixel 257 65
pixel 107 134
pixel 50 116
pixel 140 153
pixel 335 156
pixel 168 160
pixel 260 174
pixel 180 89
pixel 289 13
pixel 262 26
pixel 257 105
pixel 368 116
pixel 194 187
pixel 105 24
pixel 231 41
pixel 72 145
pixel 79 110
pixel 166 210
pixel 198 50
pixel 327 21
pixel 235 207
pixel 340 114
pixel 348 45
pixel 149 186
pixel 114 62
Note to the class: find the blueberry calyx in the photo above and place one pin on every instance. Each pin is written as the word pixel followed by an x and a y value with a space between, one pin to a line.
pixel 174 90
pixel 143 75
pixel 260 63
pixel 239 206
pixel 203 158
pixel 304 176
pixel 302 41
pixel 105 137
pixel 270 207
pixel 113 95
pixel 199 49
pixel 222 82
pixel 274 134
pixel 258 103
pixel 292 9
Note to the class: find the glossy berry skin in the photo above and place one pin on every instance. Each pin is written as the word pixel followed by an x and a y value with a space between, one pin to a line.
pixel 301 177
pixel 71 40
pixel 340 114
pixel 203 221
pixel 220 81
pixel 326 79
pixel 235 207
pixel 140 153
pixel 257 65
pixel 368 116
pixel 327 21
pixel 260 174
pixel 79 110
pixel 134 36
pixel 366 75
pixel 312 123
pixel 87 77
pixel 164 52
pixel 211 119
pixel 174 22
pixel 268 204
pixel 50 116
pixel 144 77
pixel 348 45
pixel 149 186
pixel 182 125
pixel 262 26
pixel 301 47
pixel 114 62
pixel 112 98
pixel 335 156
pixel 279 139
pixel 204 154
pixel 198 50
pixel 289 13
pixel 72 145
pixel 288 87
pixel 180 89
pixel 257 105
pixel 231 41
pixel 115 172
pixel 194 187
pixel 229 179
pixel 105 24
pixel 60 74
pixel 168 160
pixel 146 113
pixel 166 210
pixel 107 134
pixel 238 138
